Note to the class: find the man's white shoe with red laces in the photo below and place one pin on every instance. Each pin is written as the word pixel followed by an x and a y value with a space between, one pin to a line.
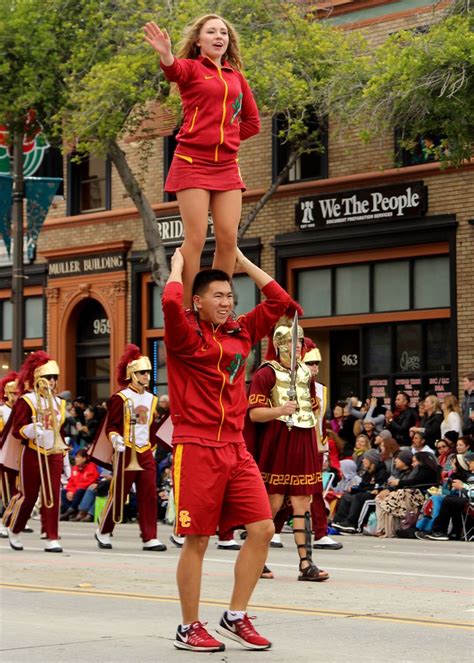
pixel 196 638
pixel 243 632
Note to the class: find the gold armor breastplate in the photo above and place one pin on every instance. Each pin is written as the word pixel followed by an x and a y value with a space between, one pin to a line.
pixel 304 416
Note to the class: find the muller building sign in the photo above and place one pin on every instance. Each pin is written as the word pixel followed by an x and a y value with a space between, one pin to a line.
pixel 400 201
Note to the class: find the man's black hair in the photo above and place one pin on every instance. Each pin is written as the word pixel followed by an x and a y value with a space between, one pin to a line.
pixel 407 396
pixel 207 276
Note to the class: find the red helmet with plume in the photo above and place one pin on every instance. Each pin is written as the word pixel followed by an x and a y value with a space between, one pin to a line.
pixel 130 362
pixel 26 376
pixel 271 354
pixel 12 376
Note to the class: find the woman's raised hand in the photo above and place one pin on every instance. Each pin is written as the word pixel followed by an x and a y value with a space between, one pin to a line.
pixel 158 39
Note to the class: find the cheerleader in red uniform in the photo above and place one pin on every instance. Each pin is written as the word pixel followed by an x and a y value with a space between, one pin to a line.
pixel 218 112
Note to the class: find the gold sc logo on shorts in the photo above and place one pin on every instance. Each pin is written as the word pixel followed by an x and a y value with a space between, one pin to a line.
pixel 184 519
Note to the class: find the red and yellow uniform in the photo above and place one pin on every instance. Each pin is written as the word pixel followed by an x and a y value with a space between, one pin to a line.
pixel 218 112
pixel 33 451
pixel 213 473
pixel 8 394
pixel 122 406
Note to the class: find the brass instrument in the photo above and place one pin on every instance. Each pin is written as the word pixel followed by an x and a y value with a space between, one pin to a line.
pixel 59 446
pixel 133 466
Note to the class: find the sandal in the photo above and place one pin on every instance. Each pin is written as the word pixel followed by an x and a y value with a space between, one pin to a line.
pixel 267 573
pixel 311 573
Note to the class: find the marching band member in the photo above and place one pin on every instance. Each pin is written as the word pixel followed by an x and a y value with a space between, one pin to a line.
pixel 8 396
pixel 35 438
pixel 129 433
pixel 312 359
pixel 287 452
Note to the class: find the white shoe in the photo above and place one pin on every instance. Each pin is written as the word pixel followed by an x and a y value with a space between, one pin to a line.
pixel 228 545
pixel 153 544
pixel 15 541
pixel 53 546
pixel 3 532
pixel 177 541
pixel 43 535
pixel 327 543
pixel 103 540
pixel 276 541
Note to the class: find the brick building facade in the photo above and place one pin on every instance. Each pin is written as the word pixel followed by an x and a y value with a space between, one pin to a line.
pixel 388 297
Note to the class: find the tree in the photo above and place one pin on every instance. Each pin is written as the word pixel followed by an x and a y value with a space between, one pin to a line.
pixel 418 82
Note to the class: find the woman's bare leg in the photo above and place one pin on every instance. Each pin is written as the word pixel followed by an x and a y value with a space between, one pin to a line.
pixel 226 209
pixel 194 210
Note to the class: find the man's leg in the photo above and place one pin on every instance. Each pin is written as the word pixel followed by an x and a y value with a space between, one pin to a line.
pixel 188 576
pixel 302 532
pixel 250 562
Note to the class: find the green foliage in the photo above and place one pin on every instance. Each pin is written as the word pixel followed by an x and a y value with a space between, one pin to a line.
pixel 418 82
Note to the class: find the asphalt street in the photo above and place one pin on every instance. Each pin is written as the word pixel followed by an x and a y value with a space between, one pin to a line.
pixel 399 600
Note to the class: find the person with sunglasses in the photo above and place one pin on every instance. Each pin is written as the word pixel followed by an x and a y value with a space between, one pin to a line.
pixel 130 427
pixel 33 435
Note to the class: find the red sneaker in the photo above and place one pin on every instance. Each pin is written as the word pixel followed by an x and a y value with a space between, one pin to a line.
pixel 196 638
pixel 243 632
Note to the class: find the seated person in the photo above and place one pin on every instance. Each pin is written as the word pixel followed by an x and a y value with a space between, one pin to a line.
pixel 418 443
pixel 408 492
pixel 83 474
pixel 350 505
pixel 362 444
pixel 453 506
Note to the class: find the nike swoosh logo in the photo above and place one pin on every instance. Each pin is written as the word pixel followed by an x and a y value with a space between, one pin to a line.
pixel 206 78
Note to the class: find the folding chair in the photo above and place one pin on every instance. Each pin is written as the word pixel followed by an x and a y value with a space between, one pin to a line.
pixel 363 514
pixel 328 480
pixel 468 515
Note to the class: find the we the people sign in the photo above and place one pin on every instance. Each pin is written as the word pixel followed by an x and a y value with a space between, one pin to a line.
pixel 400 201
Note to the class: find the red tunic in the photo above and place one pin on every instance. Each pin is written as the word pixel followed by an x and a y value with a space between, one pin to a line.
pixel 288 460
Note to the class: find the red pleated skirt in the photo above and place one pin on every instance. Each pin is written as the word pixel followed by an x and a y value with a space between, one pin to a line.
pixel 288 460
pixel 203 174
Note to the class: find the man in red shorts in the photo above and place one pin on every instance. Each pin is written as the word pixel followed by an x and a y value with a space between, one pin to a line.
pixel 215 479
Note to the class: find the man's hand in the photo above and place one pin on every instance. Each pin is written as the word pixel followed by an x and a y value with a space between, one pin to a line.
pixel 457 484
pixel 288 408
pixel 35 431
pixel 177 261
pixel 69 496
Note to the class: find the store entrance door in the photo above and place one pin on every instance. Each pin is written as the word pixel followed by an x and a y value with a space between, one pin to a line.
pixel 345 363
pixel 93 352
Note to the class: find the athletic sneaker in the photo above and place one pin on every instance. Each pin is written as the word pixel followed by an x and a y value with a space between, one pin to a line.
pixel 345 526
pixel 196 638
pixel 243 632
pixel 437 536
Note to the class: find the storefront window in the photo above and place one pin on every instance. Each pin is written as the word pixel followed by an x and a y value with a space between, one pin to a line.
pixel 408 348
pixel 89 185
pixel 431 286
pixel 378 350
pixel 392 286
pixel 314 292
pixel 244 294
pixel 5 362
pixel 438 346
pixel 157 321
pixel 7 320
pixel 34 317
pixel 352 289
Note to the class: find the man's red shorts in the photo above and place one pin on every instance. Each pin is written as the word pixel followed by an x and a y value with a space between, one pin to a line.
pixel 216 486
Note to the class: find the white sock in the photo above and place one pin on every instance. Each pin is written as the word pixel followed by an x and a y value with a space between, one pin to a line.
pixel 232 615
pixel 185 627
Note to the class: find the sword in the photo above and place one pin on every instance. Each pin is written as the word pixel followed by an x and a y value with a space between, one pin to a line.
pixel 294 348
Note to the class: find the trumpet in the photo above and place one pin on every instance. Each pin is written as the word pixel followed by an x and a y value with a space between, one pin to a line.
pixel 119 468
pixel 59 446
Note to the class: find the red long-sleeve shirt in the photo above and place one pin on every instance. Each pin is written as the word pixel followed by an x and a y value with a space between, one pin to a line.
pixel 218 109
pixel 206 366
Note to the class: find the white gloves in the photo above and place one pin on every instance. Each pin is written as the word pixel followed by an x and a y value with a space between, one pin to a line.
pixel 34 431
pixel 117 442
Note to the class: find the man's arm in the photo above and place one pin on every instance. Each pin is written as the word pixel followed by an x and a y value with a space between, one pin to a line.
pixel 260 320
pixel 178 333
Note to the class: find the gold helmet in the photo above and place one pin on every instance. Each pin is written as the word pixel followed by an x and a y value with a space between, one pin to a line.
pixel 49 368
pixel 282 337
pixel 312 355
pixel 10 390
pixel 142 363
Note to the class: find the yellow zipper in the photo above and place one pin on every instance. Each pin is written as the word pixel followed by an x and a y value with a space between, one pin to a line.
pixel 223 385
pixel 193 120
pixel 216 157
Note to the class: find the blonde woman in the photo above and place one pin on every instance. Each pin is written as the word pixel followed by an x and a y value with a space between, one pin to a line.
pixel 452 415
pixel 430 424
pixel 218 112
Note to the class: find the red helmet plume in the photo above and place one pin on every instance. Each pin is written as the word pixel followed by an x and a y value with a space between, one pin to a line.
pixel 131 353
pixel 12 376
pixel 26 376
